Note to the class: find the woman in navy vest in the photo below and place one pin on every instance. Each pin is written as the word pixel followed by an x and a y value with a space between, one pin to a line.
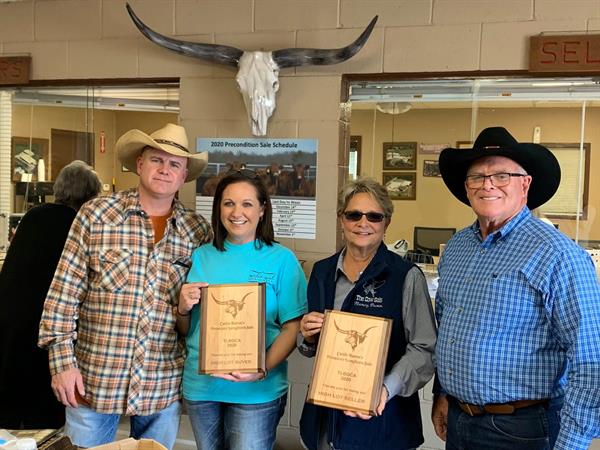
pixel 366 278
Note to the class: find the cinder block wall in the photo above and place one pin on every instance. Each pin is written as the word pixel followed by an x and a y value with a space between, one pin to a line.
pixel 81 39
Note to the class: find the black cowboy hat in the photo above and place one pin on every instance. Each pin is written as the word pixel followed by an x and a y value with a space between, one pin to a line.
pixel 537 160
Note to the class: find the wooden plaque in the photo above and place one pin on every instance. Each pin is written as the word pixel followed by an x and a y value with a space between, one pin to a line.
pixel 350 362
pixel 232 328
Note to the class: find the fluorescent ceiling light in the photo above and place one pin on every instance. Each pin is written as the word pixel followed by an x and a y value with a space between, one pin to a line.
pixel 501 89
pixel 130 98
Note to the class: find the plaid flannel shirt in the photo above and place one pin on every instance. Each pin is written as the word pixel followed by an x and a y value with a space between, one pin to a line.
pixel 109 309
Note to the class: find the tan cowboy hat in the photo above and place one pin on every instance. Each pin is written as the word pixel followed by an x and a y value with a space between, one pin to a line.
pixel 171 139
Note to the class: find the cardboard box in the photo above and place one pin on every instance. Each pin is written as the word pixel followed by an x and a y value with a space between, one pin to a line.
pixel 131 444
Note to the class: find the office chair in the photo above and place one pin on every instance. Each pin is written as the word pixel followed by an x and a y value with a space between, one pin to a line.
pixel 428 240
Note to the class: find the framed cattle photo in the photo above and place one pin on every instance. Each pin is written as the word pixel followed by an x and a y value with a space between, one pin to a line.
pixel 399 155
pixel 401 185
pixel 26 154
pixel 431 168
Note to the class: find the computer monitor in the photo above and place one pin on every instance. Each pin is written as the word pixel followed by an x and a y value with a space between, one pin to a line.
pixel 428 239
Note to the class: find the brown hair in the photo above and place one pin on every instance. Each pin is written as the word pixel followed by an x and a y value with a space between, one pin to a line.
pixel 264 229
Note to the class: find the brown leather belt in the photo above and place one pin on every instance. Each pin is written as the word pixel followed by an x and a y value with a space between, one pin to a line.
pixel 498 408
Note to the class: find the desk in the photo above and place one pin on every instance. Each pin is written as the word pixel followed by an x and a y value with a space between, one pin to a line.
pixel 36 191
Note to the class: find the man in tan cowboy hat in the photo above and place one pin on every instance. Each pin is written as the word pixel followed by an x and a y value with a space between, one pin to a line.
pixel 518 350
pixel 109 317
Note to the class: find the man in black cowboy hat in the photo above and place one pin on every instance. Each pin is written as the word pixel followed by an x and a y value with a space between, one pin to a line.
pixel 518 307
pixel 109 317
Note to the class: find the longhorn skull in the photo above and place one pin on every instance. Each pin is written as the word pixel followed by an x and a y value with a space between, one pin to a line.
pixel 232 306
pixel 354 337
pixel 258 74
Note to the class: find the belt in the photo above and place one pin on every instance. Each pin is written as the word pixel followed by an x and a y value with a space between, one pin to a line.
pixel 498 408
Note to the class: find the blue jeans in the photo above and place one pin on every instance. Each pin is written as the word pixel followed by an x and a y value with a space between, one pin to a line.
pixel 234 426
pixel 88 428
pixel 532 428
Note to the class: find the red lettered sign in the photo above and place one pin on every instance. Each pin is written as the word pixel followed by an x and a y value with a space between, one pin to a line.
pixel 564 53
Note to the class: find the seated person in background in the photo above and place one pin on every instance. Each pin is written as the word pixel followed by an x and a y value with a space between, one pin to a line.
pixel 240 411
pixel 26 399
pixel 365 268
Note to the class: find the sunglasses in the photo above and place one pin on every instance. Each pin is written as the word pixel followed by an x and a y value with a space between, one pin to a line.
pixel 355 216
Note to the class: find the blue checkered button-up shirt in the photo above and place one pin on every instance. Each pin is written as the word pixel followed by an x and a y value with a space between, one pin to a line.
pixel 519 318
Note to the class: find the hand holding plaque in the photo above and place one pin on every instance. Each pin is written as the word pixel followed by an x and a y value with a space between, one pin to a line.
pixel 232 328
pixel 350 362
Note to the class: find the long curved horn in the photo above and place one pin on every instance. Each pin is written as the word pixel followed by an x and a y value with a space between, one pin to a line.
pixel 339 329
pixel 295 57
pixel 244 297
pixel 365 332
pixel 222 54
pixel 215 299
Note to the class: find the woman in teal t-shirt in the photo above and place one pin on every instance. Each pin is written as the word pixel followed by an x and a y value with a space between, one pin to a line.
pixel 240 411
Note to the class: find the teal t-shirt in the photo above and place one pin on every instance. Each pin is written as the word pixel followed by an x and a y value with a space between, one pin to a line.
pixel 279 269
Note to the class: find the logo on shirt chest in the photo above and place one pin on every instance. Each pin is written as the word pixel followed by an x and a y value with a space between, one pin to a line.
pixel 369 299
pixel 261 277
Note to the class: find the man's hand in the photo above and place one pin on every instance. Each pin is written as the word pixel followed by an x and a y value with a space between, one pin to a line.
pixel 66 385
pixel 439 416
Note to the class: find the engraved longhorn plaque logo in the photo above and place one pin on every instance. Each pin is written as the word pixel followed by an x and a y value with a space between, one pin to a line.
pixel 232 306
pixel 354 337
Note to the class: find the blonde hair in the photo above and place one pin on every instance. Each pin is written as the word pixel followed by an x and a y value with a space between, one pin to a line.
pixel 366 186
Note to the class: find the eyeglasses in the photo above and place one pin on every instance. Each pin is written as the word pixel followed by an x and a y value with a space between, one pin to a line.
pixel 355 216
pixel 497 179
pixel 248 173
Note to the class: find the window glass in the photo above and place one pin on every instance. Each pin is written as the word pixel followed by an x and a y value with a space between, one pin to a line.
pixel 44 128
pixel 559 113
